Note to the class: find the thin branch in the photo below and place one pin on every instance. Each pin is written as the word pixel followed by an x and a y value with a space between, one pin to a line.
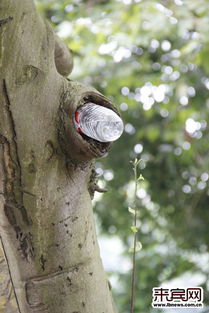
pixel 133 278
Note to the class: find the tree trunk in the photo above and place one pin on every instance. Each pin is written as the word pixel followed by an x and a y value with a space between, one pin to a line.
pixel 46 174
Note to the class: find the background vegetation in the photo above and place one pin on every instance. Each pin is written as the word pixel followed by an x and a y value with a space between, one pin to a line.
pixel 152 59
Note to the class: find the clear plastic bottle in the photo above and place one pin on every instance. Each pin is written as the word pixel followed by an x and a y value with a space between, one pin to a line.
pixel 98 122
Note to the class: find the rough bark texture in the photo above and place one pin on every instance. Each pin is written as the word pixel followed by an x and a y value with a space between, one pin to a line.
pixel 46 220
pixel 8 302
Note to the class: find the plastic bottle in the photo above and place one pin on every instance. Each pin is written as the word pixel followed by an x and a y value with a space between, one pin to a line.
pixel 98 122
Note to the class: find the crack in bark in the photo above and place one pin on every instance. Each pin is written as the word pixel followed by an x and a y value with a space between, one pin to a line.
pixel 73 219
pixel 6 20
pixel 74 268
pixel 12 211
pixel 29 193
pixel 17 167
pixel 12 185
pixel 42 262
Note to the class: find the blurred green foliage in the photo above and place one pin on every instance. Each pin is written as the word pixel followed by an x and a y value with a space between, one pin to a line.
pixel 151 58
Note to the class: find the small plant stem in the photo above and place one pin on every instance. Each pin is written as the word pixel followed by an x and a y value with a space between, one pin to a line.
pixel 133 278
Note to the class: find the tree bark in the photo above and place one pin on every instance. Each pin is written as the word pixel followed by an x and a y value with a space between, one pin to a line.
pixel 46 174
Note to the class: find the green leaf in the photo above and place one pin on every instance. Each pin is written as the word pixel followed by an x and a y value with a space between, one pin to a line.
pixel 140 177
pixel 134 229
pixel 138 247
pixel 132 211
